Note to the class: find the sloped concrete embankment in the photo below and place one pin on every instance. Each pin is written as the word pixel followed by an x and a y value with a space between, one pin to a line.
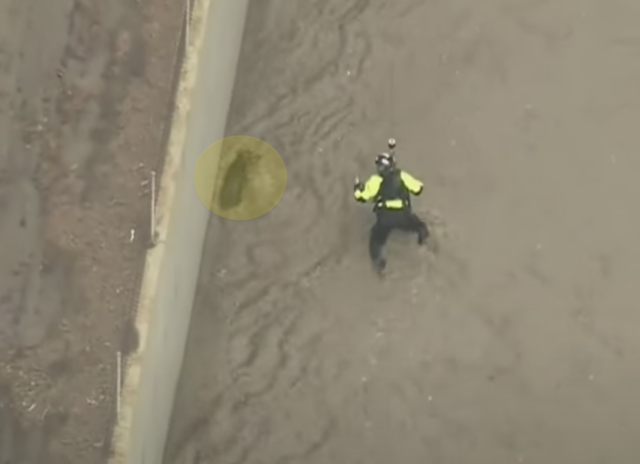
pixel 212 38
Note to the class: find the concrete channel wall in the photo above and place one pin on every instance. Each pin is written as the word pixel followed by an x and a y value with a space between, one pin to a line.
pixel 203 97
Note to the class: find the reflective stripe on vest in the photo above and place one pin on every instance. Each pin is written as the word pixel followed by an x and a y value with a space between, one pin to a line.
pixel 391 204
pixel 395 204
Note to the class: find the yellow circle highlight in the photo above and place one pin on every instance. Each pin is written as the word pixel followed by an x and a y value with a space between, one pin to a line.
pixel 240 178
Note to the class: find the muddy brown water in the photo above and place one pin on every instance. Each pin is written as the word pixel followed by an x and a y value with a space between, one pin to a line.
pixel 515 340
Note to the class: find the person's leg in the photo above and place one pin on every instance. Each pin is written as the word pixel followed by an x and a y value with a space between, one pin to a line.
pixel 421 229
pixel 413 223
pixel 378 238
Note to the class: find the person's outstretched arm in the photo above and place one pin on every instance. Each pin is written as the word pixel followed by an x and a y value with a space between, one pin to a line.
pixel 413 185
pixel 369 190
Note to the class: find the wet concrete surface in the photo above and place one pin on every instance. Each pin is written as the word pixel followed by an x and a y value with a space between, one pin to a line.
pixel 511 340
pixel 80 130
